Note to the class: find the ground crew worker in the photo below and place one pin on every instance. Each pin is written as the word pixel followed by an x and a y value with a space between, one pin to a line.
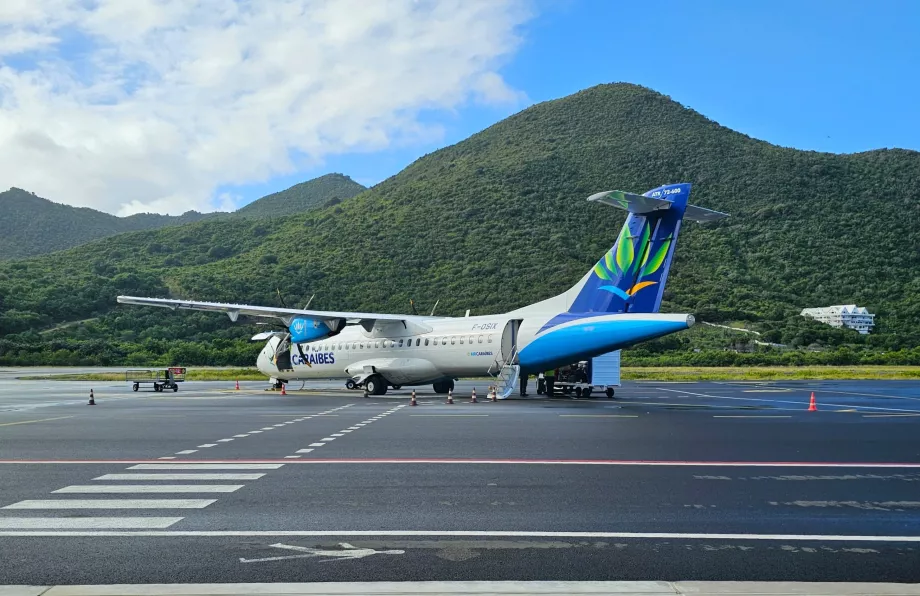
pixel 550 376
pixel 524 385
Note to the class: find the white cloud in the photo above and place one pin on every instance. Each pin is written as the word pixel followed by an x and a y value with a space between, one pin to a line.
pixel 154 104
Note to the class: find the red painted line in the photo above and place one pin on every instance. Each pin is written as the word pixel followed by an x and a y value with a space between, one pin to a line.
pixel 497 461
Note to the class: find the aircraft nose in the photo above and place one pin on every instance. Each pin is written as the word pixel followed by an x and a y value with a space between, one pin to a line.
pixel 264 362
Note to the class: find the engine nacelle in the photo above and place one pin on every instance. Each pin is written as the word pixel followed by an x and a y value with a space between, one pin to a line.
pixel 305 330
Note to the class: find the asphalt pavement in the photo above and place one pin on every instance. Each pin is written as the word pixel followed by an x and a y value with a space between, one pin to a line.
pixel 668 482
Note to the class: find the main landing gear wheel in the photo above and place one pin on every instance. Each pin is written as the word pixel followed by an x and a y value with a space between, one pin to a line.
pixel 350 384
pixel 375 385
pixel 443 386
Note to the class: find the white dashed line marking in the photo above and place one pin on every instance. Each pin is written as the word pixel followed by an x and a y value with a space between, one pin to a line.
pixel 327 439
pixel 304 450
pixel 239 436
pixel 352 428
pixel 167 457
pixel 338 435
pixel 291 456
pixel 186 452
pixel 206 445
pixel 224 440
pixel 254 432
pixel 316 444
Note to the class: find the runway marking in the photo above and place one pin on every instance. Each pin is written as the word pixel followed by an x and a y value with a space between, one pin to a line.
pixel 179 477
pixel 149 488
pixel 34 421
pixel 456 461
pixel 804 402
pixel 753 416
pixel 316 444
pixel 304 450
pixel 888 415
pixel 224 440
pixel 475 533
pixel 867 394
pixel 353 428
pixel 86 523
pixel 167 457
pixel 345 430
pixel 112 504
pixel 239 436
pixel 337 435
pixel 327 439
pixel 291 456
pixel 283 423
pixel 206 445
pixel 255 432
pixel 187 452
pixel 207 466
pixel 598 415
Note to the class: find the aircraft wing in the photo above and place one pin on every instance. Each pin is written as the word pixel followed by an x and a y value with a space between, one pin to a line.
pixel 285 314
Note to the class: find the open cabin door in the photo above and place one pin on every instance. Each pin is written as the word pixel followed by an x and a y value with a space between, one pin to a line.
pixel 509 343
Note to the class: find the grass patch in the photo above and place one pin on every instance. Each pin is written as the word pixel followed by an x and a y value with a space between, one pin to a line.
pixel 769 373
pixel 192 374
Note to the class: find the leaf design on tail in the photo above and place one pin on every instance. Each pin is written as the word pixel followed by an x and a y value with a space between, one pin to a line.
pixel 655 262
pixel 601 272
pixel 625 251
pixel 643 242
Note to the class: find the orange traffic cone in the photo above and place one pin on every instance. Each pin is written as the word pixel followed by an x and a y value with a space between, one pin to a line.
pixel 92 400
pixel 812 406
pixel 413 402
pixel 237 385
pixel 450 396
pixel 473 397
pixel 283 392
pixel 493 395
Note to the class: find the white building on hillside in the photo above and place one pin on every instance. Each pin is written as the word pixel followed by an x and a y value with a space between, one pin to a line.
pixel 843 315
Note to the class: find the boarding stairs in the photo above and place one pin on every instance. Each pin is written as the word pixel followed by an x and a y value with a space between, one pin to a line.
pixel 505 374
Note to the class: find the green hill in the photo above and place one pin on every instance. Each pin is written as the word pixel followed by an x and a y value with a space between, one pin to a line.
pixel 330 189
pixel 31 225
pixel 499 220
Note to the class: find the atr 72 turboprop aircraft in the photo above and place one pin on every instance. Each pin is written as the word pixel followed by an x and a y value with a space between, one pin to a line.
pixel 613 306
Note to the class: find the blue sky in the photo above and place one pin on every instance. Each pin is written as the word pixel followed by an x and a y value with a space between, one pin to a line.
pixel 836 76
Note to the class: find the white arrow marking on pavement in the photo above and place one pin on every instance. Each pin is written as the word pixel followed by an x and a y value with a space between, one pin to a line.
pixel 349 552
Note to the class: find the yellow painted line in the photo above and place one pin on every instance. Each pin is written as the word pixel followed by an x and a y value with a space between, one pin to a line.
pixel 33 421
pixel 887 415
pixel 753 416
pixel 598 415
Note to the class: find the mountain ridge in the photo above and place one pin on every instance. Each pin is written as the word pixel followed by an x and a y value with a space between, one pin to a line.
pixel 31 225
pixel 499 220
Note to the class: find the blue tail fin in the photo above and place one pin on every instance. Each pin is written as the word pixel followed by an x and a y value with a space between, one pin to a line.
pixel 631 277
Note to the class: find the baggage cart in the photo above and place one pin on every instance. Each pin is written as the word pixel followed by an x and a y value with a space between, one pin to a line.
pixel 160 378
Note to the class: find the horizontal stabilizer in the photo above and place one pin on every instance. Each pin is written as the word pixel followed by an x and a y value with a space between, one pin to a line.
pixel 703 215
pixel 629 202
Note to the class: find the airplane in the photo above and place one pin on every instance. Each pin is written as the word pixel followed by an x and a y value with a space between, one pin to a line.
pixel 614 305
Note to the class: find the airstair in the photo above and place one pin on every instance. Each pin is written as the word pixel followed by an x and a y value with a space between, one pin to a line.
pixel 505 369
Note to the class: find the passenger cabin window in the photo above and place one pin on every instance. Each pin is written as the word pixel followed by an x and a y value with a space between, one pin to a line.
pixel 480 339
pixel 453 341
pixel 419 340
pixel 426 341
pixel 471 339
pixel 490 338
pixel 461 340
pixel 376 344
pixel 401 343
pixel 362 345
pixel 443 341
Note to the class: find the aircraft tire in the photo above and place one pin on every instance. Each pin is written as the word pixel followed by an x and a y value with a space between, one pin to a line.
pixel 443 386
pixel 375 385
pixel 350 384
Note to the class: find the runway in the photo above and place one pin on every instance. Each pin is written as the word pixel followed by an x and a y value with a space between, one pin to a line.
pixel 667 482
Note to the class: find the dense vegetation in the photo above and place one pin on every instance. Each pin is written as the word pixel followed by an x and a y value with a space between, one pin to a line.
pixel 31 225
pixel 327 190
pixel 499 220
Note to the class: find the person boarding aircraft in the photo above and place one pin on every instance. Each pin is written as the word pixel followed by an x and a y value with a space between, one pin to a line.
pixel 613 306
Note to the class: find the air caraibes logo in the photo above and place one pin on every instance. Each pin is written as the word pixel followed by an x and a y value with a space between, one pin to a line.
pixel 620 261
